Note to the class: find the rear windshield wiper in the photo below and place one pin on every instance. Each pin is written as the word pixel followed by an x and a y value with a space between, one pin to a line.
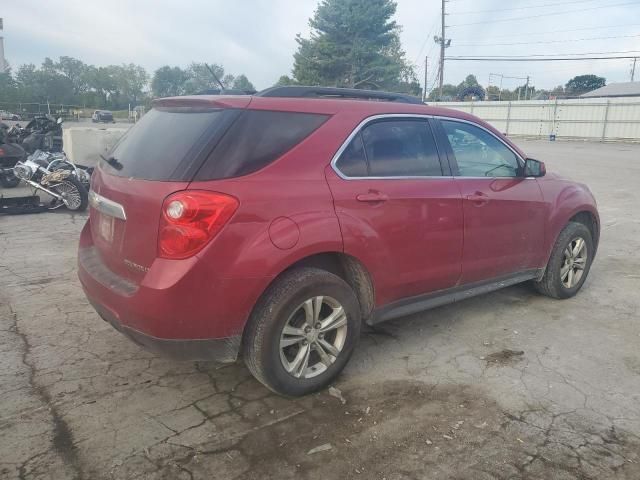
pixel 112 161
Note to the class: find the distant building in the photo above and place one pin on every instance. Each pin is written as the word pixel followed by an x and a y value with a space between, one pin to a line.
pixel 624 89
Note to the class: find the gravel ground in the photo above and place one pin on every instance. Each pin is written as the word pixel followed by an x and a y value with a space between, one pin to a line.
pixel 508 385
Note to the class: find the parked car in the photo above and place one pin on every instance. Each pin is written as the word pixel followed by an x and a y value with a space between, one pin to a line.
pixel 274 225
pixel 4 115
pixel 102 116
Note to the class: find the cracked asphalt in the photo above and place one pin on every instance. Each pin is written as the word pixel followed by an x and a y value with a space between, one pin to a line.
pixel 505 386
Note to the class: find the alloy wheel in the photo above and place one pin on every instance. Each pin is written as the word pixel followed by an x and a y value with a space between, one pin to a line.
pixel 313 337
pixel 574 262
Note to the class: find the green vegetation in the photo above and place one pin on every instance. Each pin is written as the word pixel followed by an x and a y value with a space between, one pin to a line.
pixel 584 83
pixel 70 81
pixel 356 44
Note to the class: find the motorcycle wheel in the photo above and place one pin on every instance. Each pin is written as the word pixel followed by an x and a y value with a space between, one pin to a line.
pixel 74 193
pixel 9 181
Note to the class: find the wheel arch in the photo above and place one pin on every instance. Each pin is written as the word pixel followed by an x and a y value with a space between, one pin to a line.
pixel 589 220
pixel 345 266
pixel 585 214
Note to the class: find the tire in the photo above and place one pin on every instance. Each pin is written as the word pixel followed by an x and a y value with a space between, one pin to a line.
pixel 283 304
pixel 555 283
pixel 68 185
pixel 9 181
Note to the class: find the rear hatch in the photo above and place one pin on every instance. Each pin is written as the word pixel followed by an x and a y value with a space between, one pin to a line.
pixel 156 157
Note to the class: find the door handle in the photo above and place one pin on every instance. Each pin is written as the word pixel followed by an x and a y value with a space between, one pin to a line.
pixel 478 199
pixel 372 197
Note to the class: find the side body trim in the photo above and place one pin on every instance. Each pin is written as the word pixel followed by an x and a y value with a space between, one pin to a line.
pixel 407 306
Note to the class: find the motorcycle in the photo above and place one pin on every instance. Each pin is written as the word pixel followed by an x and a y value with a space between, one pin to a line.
pixel 41 133
pixel 59 177
pixel 10 154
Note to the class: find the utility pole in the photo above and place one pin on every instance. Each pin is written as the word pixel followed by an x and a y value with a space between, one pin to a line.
pixel 424 91
pixel 633 69
pixel 444 43
pixel 3 64
pixel 526 88
pixel 441 81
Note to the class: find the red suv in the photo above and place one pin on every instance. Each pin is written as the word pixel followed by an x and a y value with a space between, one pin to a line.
pixel 275 224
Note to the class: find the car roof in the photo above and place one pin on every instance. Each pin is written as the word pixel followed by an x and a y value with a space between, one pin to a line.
pixel 307 105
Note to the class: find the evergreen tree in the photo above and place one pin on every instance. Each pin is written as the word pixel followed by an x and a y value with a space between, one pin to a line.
pixel 356 44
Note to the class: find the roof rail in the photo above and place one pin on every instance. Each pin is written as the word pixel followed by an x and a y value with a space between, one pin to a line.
pixel 296 91
pixel 226 91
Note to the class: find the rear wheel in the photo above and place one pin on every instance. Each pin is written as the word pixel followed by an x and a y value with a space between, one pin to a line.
pixel 76 197
pixel 569 264
pixel 302 332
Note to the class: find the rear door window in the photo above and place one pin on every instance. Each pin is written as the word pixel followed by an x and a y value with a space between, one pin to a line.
pixel 257 138
pixel 165 143
pixel 392 148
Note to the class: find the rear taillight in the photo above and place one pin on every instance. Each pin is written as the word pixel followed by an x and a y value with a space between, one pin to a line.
pixel 190 219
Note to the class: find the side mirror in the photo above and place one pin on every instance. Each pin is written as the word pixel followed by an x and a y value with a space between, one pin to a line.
pixel 534 168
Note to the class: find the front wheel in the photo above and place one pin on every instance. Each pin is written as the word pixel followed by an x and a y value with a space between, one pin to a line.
pixel 569 264
pixel 74 194
pixel 302 331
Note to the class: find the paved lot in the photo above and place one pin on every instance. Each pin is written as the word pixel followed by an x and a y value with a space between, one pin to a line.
pixel 509 385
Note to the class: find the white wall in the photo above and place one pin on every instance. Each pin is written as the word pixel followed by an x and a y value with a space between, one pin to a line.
pixel 593 118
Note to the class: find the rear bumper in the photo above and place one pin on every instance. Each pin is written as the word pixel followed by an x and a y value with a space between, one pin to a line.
pixel 178 309
pixel 223 350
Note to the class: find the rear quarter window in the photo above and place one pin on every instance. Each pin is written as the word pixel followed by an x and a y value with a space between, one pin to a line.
pixel 256 139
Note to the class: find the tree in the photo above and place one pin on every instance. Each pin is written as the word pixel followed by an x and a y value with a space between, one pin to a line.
pixel 8 86
pixel 169 82
pixel 354 43
pixel 74 70
pixel 469 81
pixel 493 92
pixel 470 88
pixel 584 83
pixel 241 82
pixel 200 77
pixel 283 81
pixel 102 86
pixel 129 81
pixel 449 92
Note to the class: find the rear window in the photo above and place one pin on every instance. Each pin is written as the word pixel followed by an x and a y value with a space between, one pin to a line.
pixel 257 138
pixel 166 144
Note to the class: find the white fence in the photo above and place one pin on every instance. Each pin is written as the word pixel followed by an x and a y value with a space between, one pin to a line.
pixel 594 118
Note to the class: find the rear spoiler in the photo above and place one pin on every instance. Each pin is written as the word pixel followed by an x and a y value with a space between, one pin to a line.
pixel 203 101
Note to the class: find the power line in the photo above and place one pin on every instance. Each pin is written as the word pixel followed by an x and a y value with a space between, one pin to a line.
pixel 543 14
pixel 522 8
pixel 427 38
pixel 550 54
pixel 543 41
pixel 529 59
pixel 564 31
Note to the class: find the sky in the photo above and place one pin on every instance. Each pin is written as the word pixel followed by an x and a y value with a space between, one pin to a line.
pixel 257 37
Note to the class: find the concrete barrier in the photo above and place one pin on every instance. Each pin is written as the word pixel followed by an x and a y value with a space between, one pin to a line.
pixel 84 145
